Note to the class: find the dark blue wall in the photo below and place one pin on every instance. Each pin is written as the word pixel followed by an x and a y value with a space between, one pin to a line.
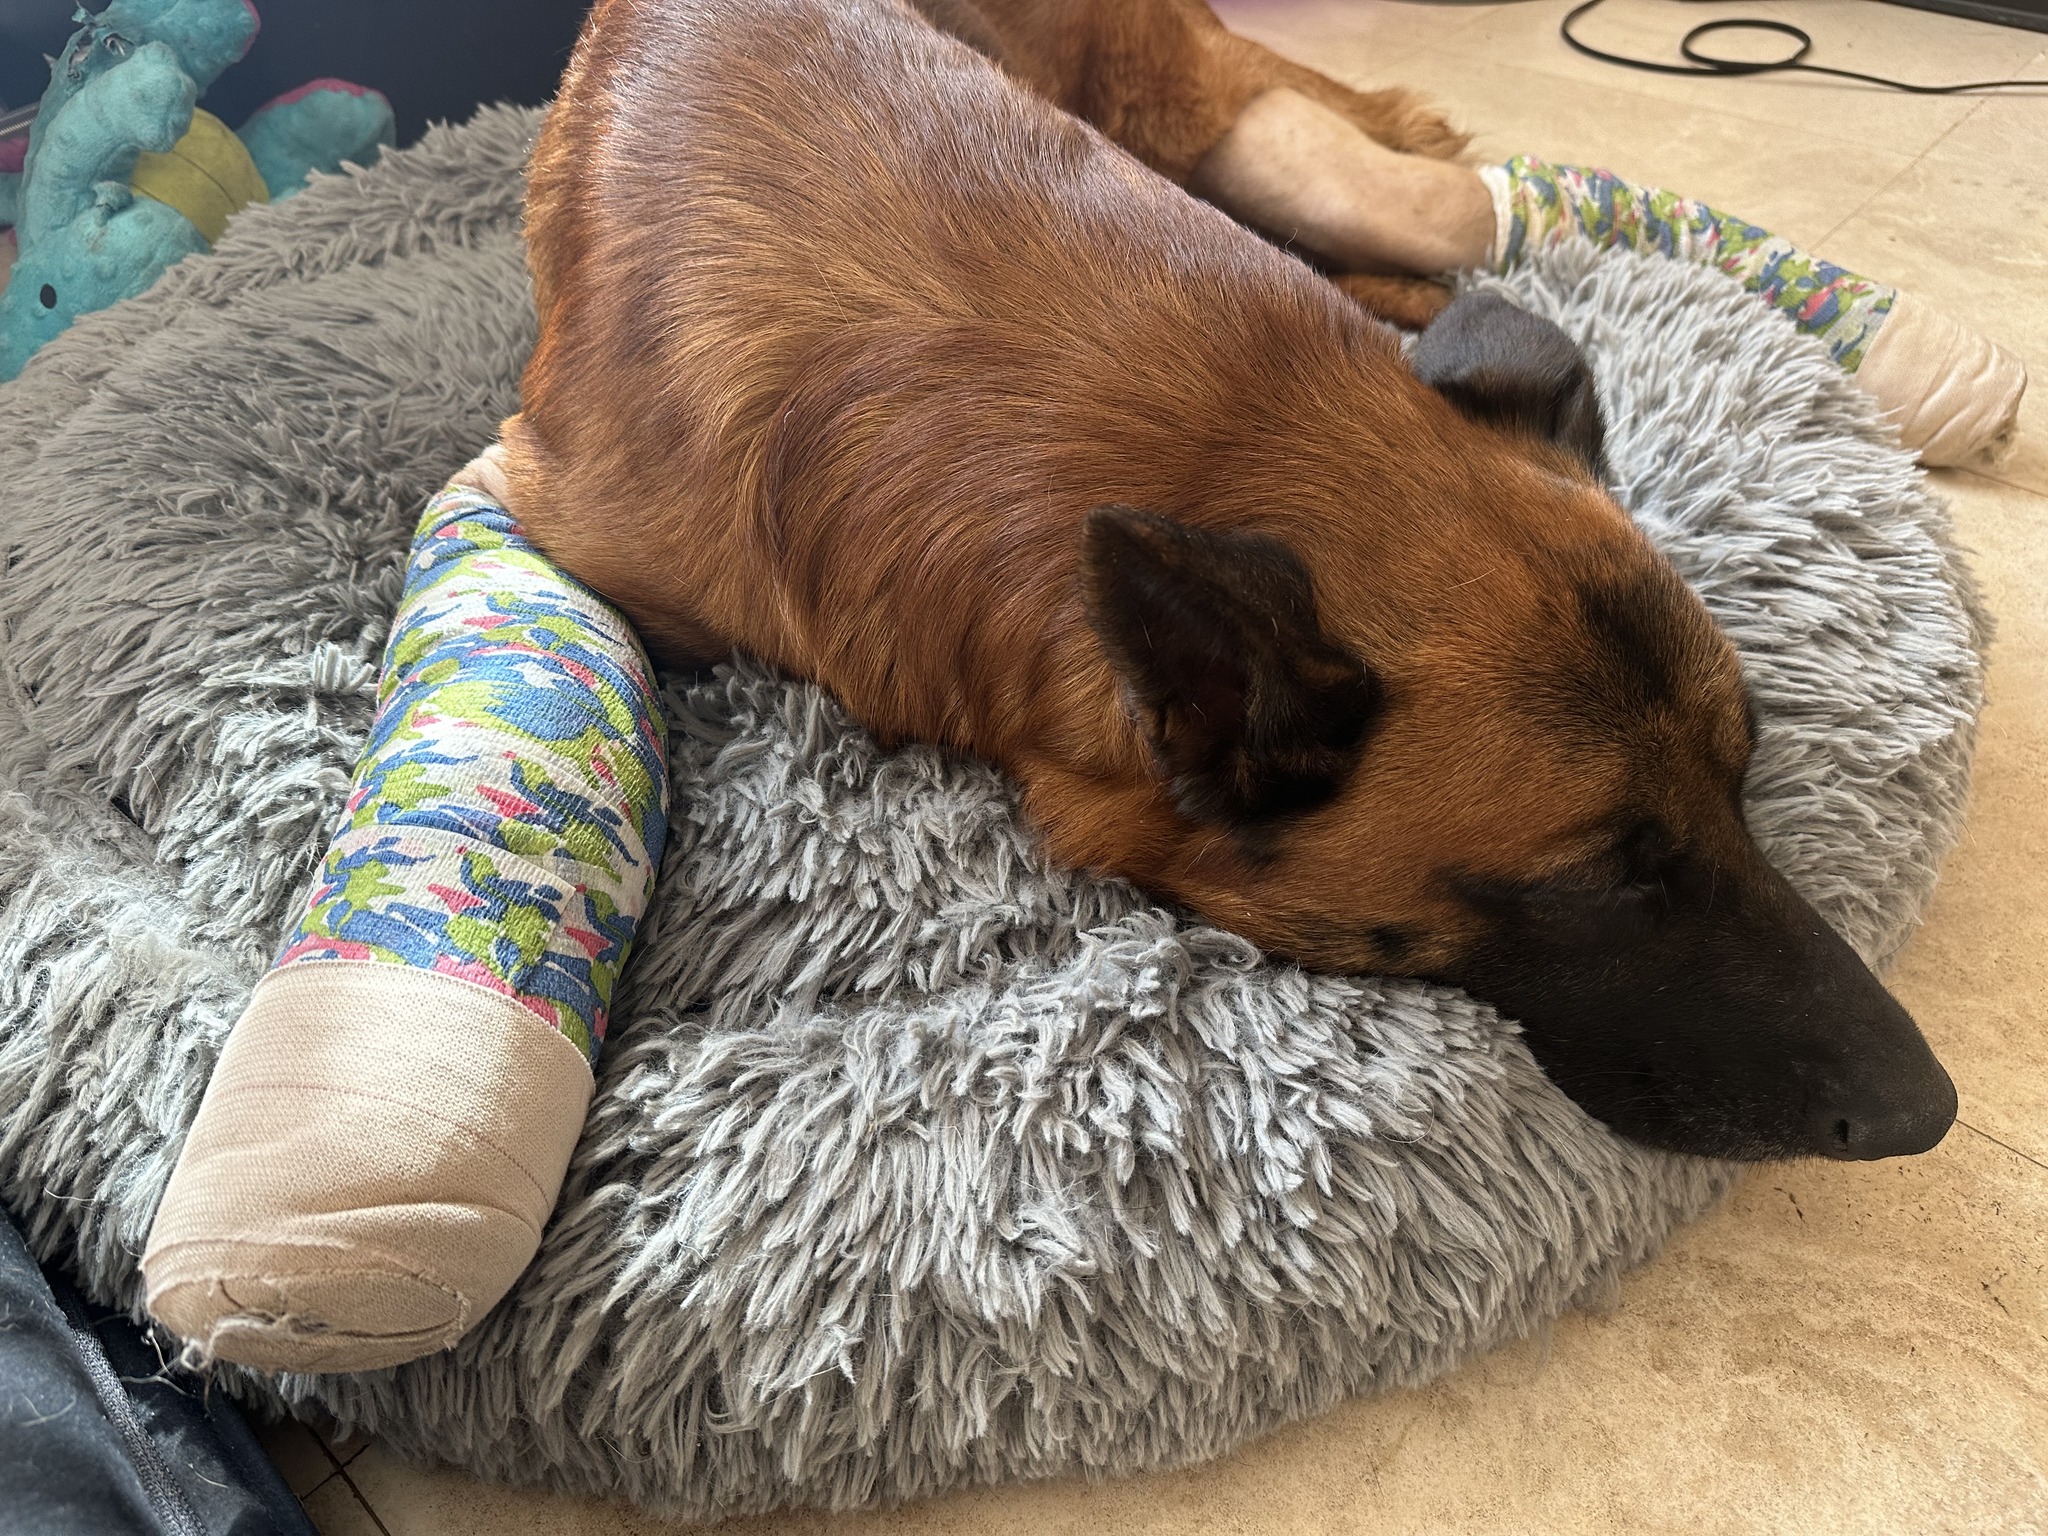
pixel 435 59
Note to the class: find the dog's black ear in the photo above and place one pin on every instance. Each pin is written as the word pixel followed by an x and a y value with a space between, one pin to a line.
pixel 1502 365
pixel 1252 711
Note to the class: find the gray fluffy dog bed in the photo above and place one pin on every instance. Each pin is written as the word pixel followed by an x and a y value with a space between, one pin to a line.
pixel 913 1162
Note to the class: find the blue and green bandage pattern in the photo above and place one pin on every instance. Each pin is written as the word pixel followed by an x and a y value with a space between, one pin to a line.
pixel 508 813
pixel 1539 204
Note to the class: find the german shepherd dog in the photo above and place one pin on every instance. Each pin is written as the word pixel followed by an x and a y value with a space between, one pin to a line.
pixel 863 351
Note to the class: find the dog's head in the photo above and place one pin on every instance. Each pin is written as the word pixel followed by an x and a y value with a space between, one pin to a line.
pixel 1529 786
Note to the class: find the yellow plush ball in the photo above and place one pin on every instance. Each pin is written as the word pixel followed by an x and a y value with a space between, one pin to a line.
pixel 207 176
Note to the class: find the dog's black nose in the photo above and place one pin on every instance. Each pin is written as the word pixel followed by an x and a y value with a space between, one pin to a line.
pixel 1896 1119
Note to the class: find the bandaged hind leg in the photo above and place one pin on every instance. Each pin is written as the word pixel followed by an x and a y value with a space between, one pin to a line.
pixel 391 1118
pixel 1298 170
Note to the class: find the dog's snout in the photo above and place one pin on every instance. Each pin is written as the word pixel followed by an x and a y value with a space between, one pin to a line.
pixel 1875 1089
pixel 1895 1113
pixel 1750 1029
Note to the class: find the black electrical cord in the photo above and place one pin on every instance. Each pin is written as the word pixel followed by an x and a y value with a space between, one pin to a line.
pixel 1706 64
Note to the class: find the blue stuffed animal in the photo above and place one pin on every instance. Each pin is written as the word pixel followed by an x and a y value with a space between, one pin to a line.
pixel 124 175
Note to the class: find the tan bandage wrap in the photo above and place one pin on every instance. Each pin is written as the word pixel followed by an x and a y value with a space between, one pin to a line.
pixel 369 1172
pixel 1954 395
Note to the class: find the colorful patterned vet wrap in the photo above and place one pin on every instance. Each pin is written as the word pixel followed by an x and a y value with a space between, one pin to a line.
pixel 1538 205
pixel 507 816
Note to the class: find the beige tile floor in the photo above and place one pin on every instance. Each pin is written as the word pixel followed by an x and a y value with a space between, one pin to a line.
pixel 1838 1349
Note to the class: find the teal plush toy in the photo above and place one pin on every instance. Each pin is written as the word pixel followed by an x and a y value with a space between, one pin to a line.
pixel 124 175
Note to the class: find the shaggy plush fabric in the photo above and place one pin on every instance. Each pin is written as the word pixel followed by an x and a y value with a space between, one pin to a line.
pixel 913 1161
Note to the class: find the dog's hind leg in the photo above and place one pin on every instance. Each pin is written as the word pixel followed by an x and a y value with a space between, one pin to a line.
pixel 1165 79
pixel 1409 302
pixel 1290 166
pixel 1361 180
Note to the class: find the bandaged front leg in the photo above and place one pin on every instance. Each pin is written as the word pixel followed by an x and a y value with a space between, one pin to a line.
pixel 1953 394
pixel 1307 175
pixel 390 1120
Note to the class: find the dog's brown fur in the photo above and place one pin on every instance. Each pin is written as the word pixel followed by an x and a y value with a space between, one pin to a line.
pixel 839 385
pixel 858 356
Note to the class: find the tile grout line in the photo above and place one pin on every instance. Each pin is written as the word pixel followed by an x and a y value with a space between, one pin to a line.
pixel 1876 192
pixel 1991 475
pixel 1902 172
pixel 1983 100
pixel 341 1472
pixel 2039 493
pixel 368 1509
pixel 334 1462
pixel 340 1461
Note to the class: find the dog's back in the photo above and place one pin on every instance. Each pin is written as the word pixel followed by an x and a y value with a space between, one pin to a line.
pixel 844 336
pixel 842 331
